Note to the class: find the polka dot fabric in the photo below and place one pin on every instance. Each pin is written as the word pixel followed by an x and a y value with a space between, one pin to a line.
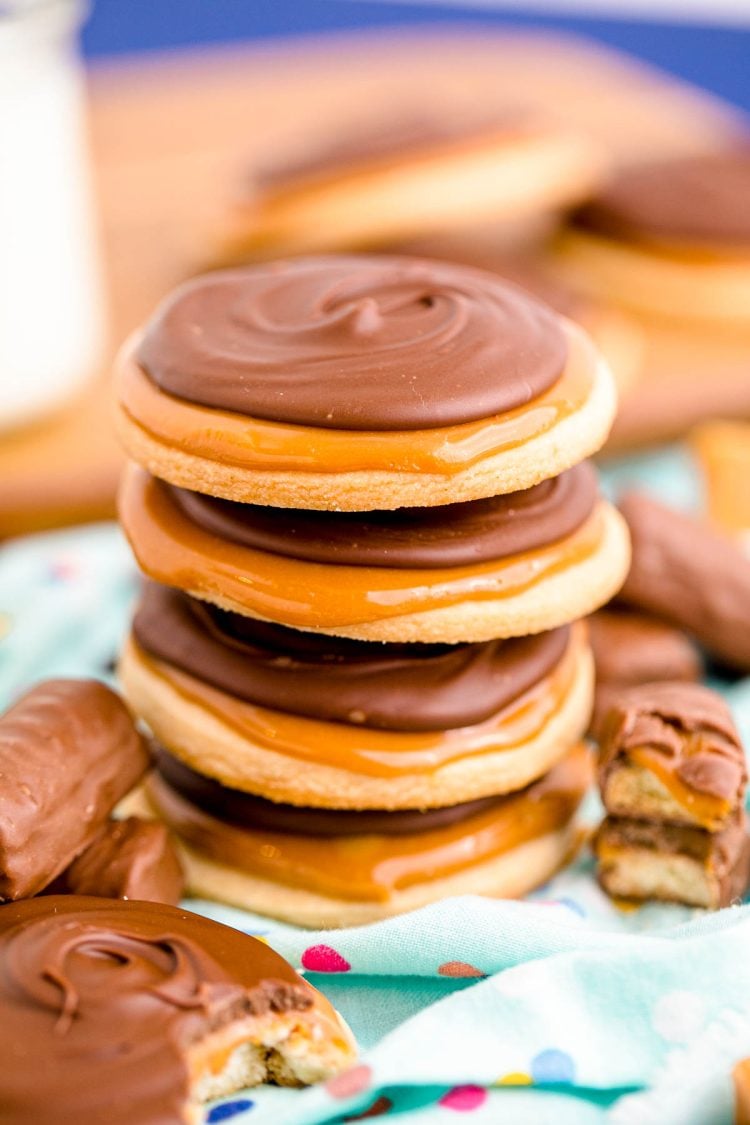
pixel 562 1010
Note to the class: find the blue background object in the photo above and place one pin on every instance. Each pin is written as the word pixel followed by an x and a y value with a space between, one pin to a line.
pixel 717 58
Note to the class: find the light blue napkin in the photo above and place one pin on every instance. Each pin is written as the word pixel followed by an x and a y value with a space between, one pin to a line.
pixel 562 1009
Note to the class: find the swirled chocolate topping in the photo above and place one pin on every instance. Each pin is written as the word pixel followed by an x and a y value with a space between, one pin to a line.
pixel 102 999
pixel 410 687
pixel 355 343
pixel 698 199
pixel 408 538
pixel 246 811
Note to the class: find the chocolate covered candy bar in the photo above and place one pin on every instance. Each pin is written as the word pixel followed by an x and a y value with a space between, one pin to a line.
pixel 68 753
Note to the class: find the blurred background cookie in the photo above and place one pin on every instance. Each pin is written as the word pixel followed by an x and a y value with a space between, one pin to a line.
pixel 411 174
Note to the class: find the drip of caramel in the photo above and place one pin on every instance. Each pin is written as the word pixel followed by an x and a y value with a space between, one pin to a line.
pixel 176 552
pixel 380 753
pixel 254 444
pixel 708 809
pixel 373 868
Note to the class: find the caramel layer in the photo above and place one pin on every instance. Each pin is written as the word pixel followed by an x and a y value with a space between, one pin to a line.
pixel 707 809
pixel 379 753
pixel 373 868
pixel 250 443
pixel 176 552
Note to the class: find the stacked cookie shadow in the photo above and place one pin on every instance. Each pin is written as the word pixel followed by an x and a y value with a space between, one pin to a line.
pixel 360 496
pixel 673 779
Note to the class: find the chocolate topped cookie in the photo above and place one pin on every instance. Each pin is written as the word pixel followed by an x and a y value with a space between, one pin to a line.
pixel 697 200
pixel 129 1013
pixel 369 181
pixel 348 343
pixel 357 383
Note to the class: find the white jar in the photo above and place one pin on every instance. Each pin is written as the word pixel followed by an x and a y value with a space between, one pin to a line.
pixel 51 309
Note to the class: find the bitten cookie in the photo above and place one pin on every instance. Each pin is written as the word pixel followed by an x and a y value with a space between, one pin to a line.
pixel 672 776
pixel 121 1012
pixel 360 384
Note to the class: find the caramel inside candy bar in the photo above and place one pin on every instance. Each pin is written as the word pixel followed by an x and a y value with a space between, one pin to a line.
pixel 130 858
pixel 68 753
pixel 116 1013
pixel 645 860
pixel 670 752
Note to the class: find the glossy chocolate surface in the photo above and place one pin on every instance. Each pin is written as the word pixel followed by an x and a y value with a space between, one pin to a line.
pixel 130 858
pixel 247 811
pixel 688 726
pixel 68 753
pixel 411 687
pixel 102 999
pixel 409 538
pixel 355 343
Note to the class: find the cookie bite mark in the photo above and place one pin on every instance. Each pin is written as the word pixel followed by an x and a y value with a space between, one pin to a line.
pixel 165 1008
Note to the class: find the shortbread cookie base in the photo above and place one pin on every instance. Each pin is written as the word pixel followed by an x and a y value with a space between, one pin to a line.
pixel 211 746
pixel 510 875
pixel 653 281
pixel 500 177
pixel 310 597
pixel 567 441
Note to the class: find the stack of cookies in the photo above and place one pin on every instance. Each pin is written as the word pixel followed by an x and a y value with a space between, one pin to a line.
pixel 673 778
pixel 360 496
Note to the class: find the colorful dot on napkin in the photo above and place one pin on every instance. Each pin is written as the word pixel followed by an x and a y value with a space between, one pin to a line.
pixel 463 1099
pixel 380 1106
pixel 552 1066
pixel 350 1083
pixel 324 959
pixel 515 1078
pixel 459 969
pixel 228 1110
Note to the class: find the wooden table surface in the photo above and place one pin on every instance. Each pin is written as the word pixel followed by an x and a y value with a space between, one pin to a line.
pixel 172 135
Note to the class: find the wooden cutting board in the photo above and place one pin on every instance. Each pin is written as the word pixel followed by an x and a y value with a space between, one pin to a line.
pixel 171 139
